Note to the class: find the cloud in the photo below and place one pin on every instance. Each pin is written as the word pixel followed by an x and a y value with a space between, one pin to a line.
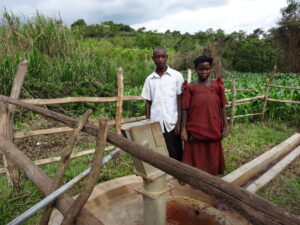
pixel 237 15
pixel 183 15
pixel 122 11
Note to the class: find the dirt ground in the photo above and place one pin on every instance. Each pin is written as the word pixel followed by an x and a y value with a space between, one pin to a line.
pixel 44 146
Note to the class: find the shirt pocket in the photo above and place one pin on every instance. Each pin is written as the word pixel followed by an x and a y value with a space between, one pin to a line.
pixel 170 88
pixel 170 91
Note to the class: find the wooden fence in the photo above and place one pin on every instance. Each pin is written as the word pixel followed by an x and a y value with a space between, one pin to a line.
pixel 119 109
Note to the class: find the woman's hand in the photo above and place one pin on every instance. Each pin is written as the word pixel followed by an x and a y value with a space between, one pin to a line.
pixel 225 132
pixel 184 135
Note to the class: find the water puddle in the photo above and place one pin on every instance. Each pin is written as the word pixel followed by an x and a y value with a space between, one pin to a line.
pixel 180 214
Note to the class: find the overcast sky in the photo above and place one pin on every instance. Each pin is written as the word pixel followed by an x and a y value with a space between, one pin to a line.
pixel 183 15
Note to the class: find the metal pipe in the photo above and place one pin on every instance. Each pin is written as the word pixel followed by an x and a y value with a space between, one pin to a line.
pixel 51 197
pixel 154 195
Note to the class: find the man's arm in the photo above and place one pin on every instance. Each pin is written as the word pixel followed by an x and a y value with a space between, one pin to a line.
pixel 148 108
pixel 146 94
pixel 179 83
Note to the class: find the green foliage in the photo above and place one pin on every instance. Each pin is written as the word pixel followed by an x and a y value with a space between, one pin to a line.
pixel 105 29
pixel 249 140
pixel 291 11
pixel 284 191
pixel 115 27
pixel 287 36
pixel 252 55
pixel 13 201
pixel 246 142
pixel 275 111
pixel 78 23
pixel 148 39
pixel 64 63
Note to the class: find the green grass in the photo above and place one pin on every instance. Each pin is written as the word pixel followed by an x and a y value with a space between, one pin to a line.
pixel 246 142
pixel 284 191
pixel 63 64
pixel 13 202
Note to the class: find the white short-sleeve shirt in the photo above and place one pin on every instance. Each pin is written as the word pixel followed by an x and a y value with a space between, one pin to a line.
pixel 162 91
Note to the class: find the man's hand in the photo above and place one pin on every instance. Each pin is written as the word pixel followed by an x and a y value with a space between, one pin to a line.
pixel 177 129
pixel 184 135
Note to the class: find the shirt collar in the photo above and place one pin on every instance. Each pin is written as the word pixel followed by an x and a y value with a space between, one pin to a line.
pixel 168 72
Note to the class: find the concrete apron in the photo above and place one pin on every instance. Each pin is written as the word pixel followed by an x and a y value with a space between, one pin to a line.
pixel 116 202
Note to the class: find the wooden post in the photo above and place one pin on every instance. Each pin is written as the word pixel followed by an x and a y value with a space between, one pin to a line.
pixel 274 171
pixel 189 76
pixel 6 120
pixel 253 207
pixel 120 100
pixel 57 159
pixel 93 177
pixel 63 164
pixel 267 93
pixel 43 182
pixel 232 112
pixel 249 170
pixel 118 119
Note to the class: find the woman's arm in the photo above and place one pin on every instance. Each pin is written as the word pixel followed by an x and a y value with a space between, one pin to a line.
pixel 225 130
pixel 177 126
pixel 184 135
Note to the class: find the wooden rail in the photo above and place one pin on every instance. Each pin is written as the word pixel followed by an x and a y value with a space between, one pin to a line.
pixel 25 134
pixel 43 182
pixel 253 207
pixel 117 122
pixel 283 101
pixel 240 89
pixel 250 99
pixel 66 100
pixel 243 174
pixel 277 86
pixel 56 159
pixel 120 98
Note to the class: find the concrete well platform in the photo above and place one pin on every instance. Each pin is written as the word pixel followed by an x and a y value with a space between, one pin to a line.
pixel 116 202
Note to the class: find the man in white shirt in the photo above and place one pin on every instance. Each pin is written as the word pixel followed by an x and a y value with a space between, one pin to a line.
pixel 162 91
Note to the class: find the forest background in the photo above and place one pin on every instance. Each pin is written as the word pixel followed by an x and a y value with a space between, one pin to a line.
pixel 81 60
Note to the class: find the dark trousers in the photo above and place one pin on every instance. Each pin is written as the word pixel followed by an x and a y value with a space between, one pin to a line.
pixel 174 144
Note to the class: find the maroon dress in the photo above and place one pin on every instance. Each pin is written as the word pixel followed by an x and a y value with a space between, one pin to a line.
pixel 204 126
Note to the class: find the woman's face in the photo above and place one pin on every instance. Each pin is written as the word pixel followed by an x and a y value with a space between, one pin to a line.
pixel 203 70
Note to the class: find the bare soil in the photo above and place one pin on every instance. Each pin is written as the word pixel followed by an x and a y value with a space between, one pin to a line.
pixel 45 146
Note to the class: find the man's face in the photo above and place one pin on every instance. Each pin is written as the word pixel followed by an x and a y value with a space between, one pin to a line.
pixel 160 58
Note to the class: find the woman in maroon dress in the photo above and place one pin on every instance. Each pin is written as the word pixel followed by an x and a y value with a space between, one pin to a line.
pixel 204 122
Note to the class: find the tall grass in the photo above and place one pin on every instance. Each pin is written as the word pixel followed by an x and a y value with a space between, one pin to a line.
pixel 246 142
pixel 275 111
pixel 62 63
